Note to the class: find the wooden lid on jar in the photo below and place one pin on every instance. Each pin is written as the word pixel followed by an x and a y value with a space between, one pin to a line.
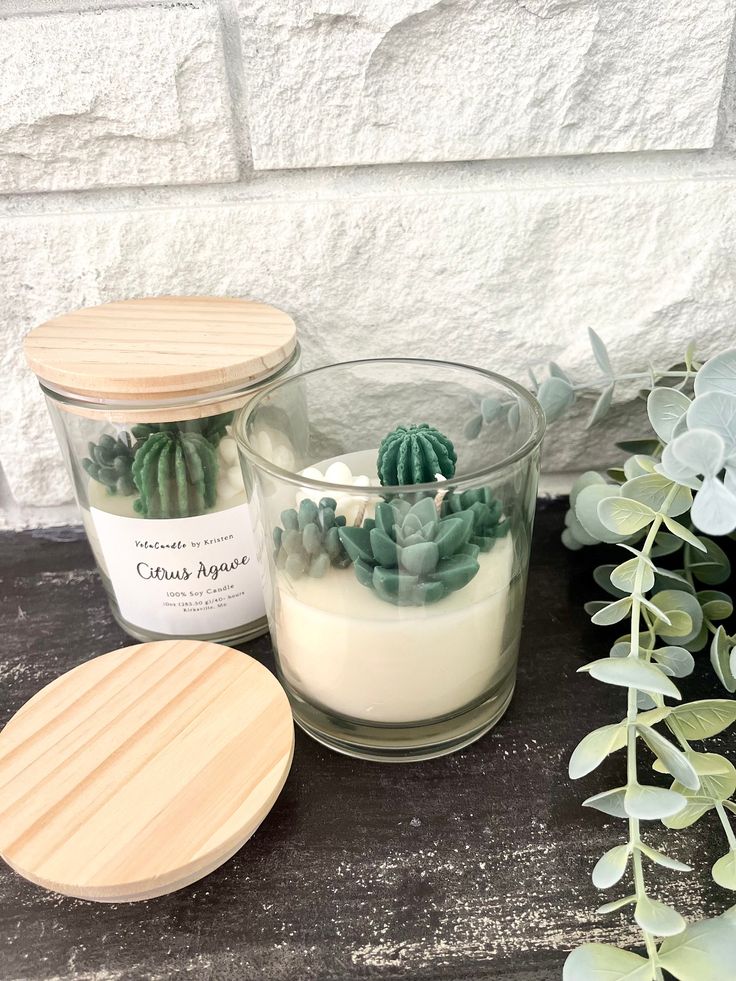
pixel 161 347
pixel 142 770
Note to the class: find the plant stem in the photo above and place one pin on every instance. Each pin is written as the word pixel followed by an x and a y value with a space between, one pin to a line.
pixel 730 836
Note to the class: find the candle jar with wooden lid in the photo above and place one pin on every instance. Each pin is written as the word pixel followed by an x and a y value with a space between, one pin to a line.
pixel 142 394
pixel 396 545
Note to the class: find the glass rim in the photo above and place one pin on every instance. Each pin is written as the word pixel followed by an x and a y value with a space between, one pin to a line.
pixel 295 478
pixel 99 403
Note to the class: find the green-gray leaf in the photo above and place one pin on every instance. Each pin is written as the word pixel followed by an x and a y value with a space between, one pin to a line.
pixel 714 567
pixel 661 859
pixel 717 375
pixel 609 802
pixel 612 612
pixel 705 951
pixel 652 803
pixel 720 650
pixel 706 718
pixel 624 577
pixel 658 918
pixel 675 761
pixel 610 867
pixel 555 395
pixel 724 871
pixel 630 672
pixel 653 490
pixel 586 510
pixel 601 407
pixel 685 534
pixel 676 661
pixel 684 613
pixel 600 353
pixel 666 406
pixel 601 962
pixel 624 516
pixel 595 747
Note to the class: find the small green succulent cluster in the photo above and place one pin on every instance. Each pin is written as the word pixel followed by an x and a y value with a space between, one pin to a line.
pixel 488 523
pixel 309 542
pixel 212 428
pixel 410 555
pixel 110 462
pixel 176 475
pixel 415 455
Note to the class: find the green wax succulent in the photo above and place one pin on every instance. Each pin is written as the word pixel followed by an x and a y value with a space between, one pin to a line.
pixel 176 474
pixel 110 462
pixel 410 555
pixel 488 525
pixel 415 455
pixel 309 542
pixel 213 428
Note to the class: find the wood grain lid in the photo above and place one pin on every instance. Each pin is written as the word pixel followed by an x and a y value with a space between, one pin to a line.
pixel 142 770
pixel 159 347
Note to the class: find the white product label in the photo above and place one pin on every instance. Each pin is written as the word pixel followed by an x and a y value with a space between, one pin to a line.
pixel 183 576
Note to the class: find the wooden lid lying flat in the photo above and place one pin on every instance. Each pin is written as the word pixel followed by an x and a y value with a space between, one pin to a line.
pixel 161 347
pixel 142 770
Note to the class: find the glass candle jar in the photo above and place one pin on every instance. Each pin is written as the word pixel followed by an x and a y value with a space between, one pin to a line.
pixel 395 547
pixel 142 394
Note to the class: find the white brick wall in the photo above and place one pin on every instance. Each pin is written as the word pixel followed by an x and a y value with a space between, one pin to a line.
pixel 475 179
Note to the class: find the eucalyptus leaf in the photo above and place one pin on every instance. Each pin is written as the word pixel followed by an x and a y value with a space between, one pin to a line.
pixel 724 871
pixel 577 531
pixel 665 544
pixel 570 541
pixel 618 474
pixel 616 904
pixel 653 490
pixel 717 375
pixel 715 604
pixel 676 661
pixel 715 411
pixel 556 372
pixel 610 867
pixel 601 962
pixel 490 409
pixel 714 567
pixel 652 803
pixel 658 918
pixel 705 951
pixel 704 719
pixel 612 612
pixel 595 747
pixel 661 859
pixel 714 508
pixel 586 479
pixel 555 395
pixel 631 672
pixel 700 451
pixel 624 516
pixel 513 417
pixel 666 406
pixel 586 511
pixel 684 533
pixel 632 576
pixel 473 427
pixel 720 651
pixel 602 576
pixel 684 613
pixel 602 406
pixel 675 761
pixel 600 352
pixel 694 809
pixel 648 446
pixel 609 802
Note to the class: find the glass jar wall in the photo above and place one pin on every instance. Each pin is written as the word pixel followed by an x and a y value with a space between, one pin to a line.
pixel 395 605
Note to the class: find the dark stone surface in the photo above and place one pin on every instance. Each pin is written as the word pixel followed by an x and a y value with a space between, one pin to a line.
pixel 467 868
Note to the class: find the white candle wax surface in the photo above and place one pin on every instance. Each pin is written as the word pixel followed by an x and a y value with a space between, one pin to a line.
pixel 346 650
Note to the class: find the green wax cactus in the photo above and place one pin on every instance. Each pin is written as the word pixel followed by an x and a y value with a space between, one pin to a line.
pixel 176 474
pixel 213 428
pixel 110 462
pixel 415 455
pixel 410 555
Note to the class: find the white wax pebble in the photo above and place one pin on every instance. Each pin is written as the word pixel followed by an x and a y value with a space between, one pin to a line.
pixel 283 457
pixel 362 481
pixel 350 509
pixel 234 477
pixel 264 444
pixel 224 489
pixel 229 450
pixel 339 473
pixel 312 473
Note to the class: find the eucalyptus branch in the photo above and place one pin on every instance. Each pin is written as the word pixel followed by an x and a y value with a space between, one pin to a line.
pixel 688 467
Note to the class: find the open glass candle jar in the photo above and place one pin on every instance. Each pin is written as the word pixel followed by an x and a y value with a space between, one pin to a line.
pixel 395 547
pixel 143 394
